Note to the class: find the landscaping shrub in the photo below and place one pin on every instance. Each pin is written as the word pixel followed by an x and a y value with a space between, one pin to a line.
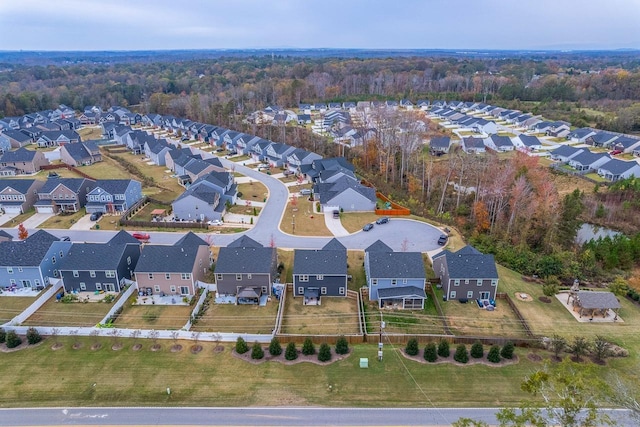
pixel 549 289
pixel 275 349
pixel 3 336
pixel 477 351
pixel 443 349
pixel 342 346
pixel 33 336
pixel 412 347
pixel 241 346
pixel 507 350
pixel 291 353
pixel 494 354
pixel 461 355
pixel 13 340
pixel 257 352
pixel 430 352
pixel 324 354
pixel 308 348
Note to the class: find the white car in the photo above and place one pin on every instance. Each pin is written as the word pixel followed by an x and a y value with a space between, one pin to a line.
pixel 263 166
pixel 215 222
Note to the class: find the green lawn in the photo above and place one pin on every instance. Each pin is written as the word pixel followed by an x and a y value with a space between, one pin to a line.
pixel 156 316
pixel 250 319
pixel 10 307
pixel 354 221
pixel 253 191
pixel 63 220
pixel 336 315
pixel 355 268
pixel 54 313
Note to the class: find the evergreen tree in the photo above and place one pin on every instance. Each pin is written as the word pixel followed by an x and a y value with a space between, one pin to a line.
pixel 13 340
pixel 507 350
pixel 342 346
pixel 494 354
pixel 461 355
pixel 33 336
pixel 241 346
pixel 477 351
pixel 290 352
pixel 324 354
pixel 443 349
pixel 412 348
pixel 257 352
pixel 430 352
pixel 308 348
pixel 569 223
pixel 275 349
pixel 3 336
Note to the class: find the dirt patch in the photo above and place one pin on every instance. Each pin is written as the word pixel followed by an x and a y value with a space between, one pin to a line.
pixel 136 347
pixel 482 361
pixel 116 347
pixel 96 346
pixel 218 349
pixel 176 348
pixel 76 346
pixel 281 359
pixel 523 296
pixel 545 300
pixel 195 349
pixel 156 347
pixel 57 346
pixel 534 357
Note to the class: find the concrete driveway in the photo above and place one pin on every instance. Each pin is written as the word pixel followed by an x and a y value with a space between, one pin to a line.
pixel 35 220
pixel 334 225
pixel 7 217
pixel 83 223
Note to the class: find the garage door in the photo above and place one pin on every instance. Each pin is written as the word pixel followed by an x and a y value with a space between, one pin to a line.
pixel 12 209
pixel 44 209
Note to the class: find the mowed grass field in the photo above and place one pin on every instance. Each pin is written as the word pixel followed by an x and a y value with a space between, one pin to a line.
pixel 10 307
pixel 251 319
pixel 170 317
pixel 53 313
pixel 337 315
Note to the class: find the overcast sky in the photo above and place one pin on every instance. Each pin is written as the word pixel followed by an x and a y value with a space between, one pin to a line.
pixel 390 24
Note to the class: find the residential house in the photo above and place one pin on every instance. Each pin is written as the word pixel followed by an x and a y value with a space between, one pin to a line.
pixel 299 157
pixel 221 181
pixel 63 195
pixel 345 193
pixel 4 236
pixel 423 104
pixel 602 139
pixel 245 142
pixel 58 137
pixel 246 270
pixel 259 150
pixel 626 144
pixel 80 154
pixel 486 127
pixel 24 161
pixel 304 119
pixel 157 150
pixel 615 170
pixel 18 195
pixel 276 153
pixel 173 270
pixel 91 267
pixel 200 203
pixel 565 152
pixel 473 145
pixel 395 279
pixel 559 129
pixel 320 273
pixel 466 274
pixel 31 262
pixel 14 139
pixel 312 172
pixel 499 143
pixel 588 161
pixel 440 145
pixel 197 168
pixel 527 142
pixel 580 135
pixel 113 195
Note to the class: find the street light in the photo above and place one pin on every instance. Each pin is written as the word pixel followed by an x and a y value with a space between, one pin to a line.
pixel 293 223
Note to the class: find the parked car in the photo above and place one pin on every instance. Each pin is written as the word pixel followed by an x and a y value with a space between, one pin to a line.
pixel 95 216
pixel 305 192
pixel 382 220
pixel 336 214
pixel 53 175
pixel 233 153
pixel 288 172
pixel 263 166
pixel 141 236
pixel 615 152
pixel 367 227
pixel 215 222
pixel 442 240
pixel 219 150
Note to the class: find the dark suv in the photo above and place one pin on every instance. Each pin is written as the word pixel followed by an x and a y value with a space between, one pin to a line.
pixel 442 240
pixel 367 227
pixel 336 214
pixel 382 220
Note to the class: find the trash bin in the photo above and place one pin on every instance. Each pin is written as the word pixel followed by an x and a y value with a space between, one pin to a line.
pixel 97 226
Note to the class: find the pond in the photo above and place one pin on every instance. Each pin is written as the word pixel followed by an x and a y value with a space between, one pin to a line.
pixel 593 232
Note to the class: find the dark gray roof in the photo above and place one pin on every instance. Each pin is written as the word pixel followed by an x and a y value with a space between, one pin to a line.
pixel 441 142
pixel 334 245
pixel 93 256
pixel 598 300
pixel 5 234
pixel 392 265
pixel 201 192
pixel 468 263
pixel 402 291
pixel 245 259
pixel 529 140
pixel 20 185
pixel 190 239
pixel 20 155
pixel 79 151
pixel 580 133
pixel 17 135
pixel 113 186
pixel 565 150
pixel 122 238
pixel 330 190
pixel 244 242
pixel 501 141
pixel 378 246
pixel 26 253
pixel 73 184
pixel 167 259
pixel 603 137
pixel 617 167
pixel 587 157
pixel 333 262
pixel 473 142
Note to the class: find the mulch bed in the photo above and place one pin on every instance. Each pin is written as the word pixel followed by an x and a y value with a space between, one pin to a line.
pixel 136 347
pixel 176 348
pixel 156 347
pixel 534 357
pixel 195 349
pixel 117 347
pixel 280 359
pixel 96 346
pixel 57 346
pixel 483 361
pixel 23 345
pixel 76 346
pixel 218 349
pixel 545 300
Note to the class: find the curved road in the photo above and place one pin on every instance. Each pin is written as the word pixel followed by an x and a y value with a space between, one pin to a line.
pixel 399 234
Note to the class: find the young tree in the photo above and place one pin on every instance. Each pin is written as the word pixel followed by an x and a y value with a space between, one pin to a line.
pixel 494 354
pixel 461 355
pixel 153 336
pixel 257 352
pixel 557 344
pixel 443 349
pixel 342 346
pixel 241 346
pixel 13 340
pixel 601 348
pixel 430 352
pixel 275 349
pixel 33 336
pixel 22 232
pixel 619 286
pixel 477 350
pixel 412 348
pixel 308 348
pixel 115 335
pixel 55 334
pixel 579 347
pixel 507 350
pixel 324 354
pixel 3 335
pixel 291 353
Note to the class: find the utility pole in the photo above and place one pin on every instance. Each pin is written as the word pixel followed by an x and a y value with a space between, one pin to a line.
pixel 380 344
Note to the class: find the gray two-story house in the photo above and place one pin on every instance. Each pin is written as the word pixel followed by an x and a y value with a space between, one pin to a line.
pixel 395 279
pixel 18 195
pixel 466 274
pixel 246 270
pixel 113 195
pixel 63 195
pixel 320 273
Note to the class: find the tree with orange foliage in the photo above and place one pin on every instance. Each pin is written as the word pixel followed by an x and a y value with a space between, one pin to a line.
pixel 482 216
pixel 22 232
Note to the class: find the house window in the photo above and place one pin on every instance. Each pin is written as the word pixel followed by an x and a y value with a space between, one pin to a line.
pixel 238 276
pixel 98 286
pixel 374 282
pixel 494 282
pixel 323 290
pixel 83 286
pixel 12 282
pixel 303 278
pixel 184 290
pixel 456 283
pixel 173 289
pixel 479 282
pixel 128 260
pixel 264 289
pixel 320 277
pixel 394 282
pixel 55 273
pixel 92 273
pixel 185 276
pixel 150 276
pixel 466 281
pixel 20 270
pixel 404 281
pixel 470 294
pixel 341 291
pixel 110 274
pixel 218 276
pixel 156 288
pixel 37 282
pixel 300 290
pixel 10 270
pixel 248 276
pixel 452 295
pixel 75 273
pixel 167 276
pixel 61 254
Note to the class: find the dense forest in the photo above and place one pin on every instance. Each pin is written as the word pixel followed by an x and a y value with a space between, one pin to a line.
pixel 508 206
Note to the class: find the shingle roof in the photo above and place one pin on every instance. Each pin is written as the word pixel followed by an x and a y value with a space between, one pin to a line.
pixel 190 239
pixel 565 150
pixel 17 135
pixel 26 253
pixel 113 186
pixel 93 256
pixel 20 155
pixel 122 238
pixel 529 140
pixel 468 263
pixel 378 246
pixel 309 261
pixel 598 300
pixel 441 142
pixel 245 259
pixel 73 184
pixel 392 265
pixel 5 234
pixel 20 185
pixel 334 245
pixel 167 259
pixel 244 242
pixel 616 166
pixel 402 291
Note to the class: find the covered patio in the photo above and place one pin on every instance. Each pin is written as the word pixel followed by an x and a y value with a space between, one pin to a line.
pixel 404 297
pixel 248 296
pixel 592 306
pixel 311 296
